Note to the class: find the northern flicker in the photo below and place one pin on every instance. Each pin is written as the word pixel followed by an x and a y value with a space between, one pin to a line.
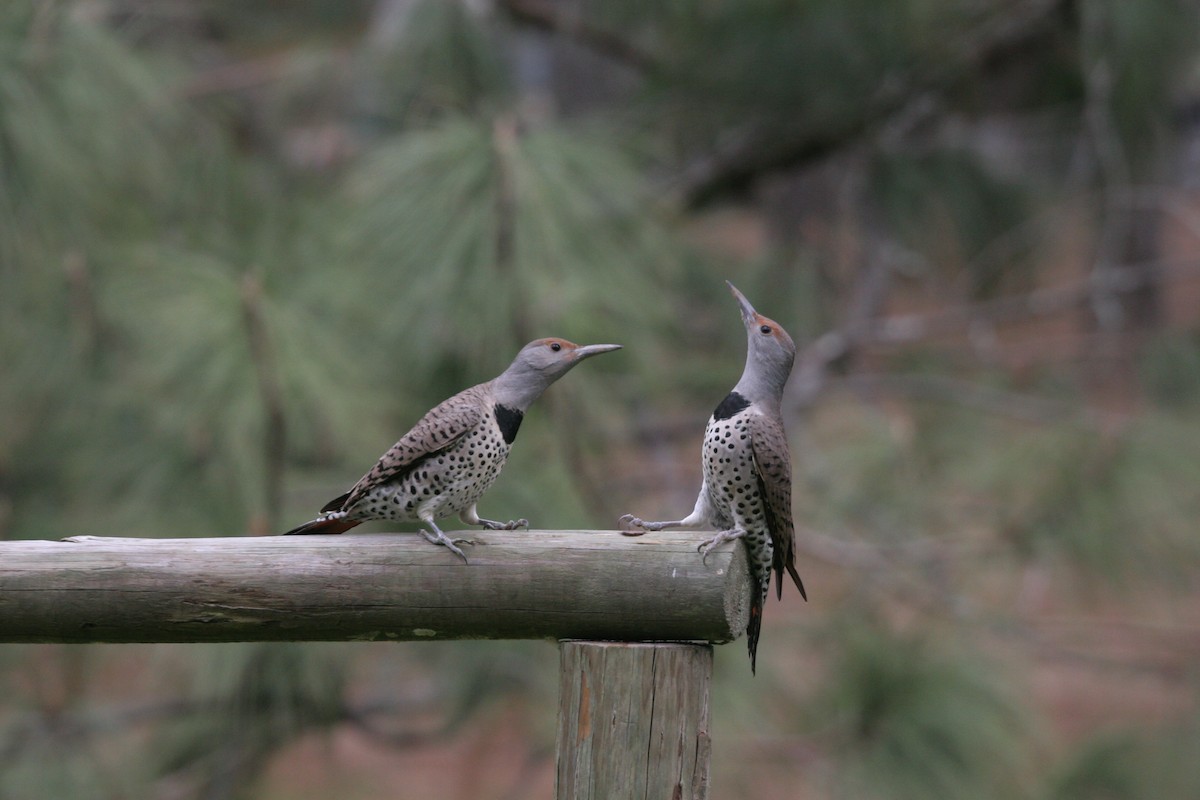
pixel 747 488
pixel 453 454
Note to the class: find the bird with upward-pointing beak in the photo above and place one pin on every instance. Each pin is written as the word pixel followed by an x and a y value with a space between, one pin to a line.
pixel 453 454
pixel 747 488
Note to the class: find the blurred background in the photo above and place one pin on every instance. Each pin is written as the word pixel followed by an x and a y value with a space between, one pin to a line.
pixel 243 246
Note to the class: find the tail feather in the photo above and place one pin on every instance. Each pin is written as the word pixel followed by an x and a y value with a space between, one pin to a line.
pixel 791 568
pixel 324 525
pixel 336 504
pixel 754 628
pixel 779 565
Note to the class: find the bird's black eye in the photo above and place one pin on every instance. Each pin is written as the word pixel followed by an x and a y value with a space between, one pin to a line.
pixel 555 346
pixel 766 329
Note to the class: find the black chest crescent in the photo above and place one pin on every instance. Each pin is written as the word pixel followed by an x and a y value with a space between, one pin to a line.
pixel 732 404
pixel 509 421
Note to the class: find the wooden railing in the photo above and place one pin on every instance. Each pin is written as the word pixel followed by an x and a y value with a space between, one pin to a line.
pixel 636 619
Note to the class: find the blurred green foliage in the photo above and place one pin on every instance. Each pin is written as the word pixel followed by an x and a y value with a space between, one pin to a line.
pixel 898 708
pixel 1122 766
pixel 947 205
pixel 244 246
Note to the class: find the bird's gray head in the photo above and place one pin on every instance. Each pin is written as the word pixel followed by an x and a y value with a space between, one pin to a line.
pixel 769 353
pixel 539 364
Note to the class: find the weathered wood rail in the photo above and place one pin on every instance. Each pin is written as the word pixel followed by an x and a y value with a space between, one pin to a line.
pixel 636 618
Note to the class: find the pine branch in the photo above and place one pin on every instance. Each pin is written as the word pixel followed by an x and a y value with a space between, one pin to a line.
pixel 760 149
pixel 550 16
pixel 863 330
pixel 237 76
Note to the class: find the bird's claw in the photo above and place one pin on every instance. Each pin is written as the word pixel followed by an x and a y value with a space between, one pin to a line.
pixel 450 545
pixel 628 523
pixel 511 525
pixel 706 547
pixel 445 541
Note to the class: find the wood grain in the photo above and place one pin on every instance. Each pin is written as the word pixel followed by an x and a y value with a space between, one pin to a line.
pixel 633 721
pixel 518 585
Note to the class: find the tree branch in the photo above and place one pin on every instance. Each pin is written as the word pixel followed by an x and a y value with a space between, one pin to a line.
pixel 758 150
pixel 549 16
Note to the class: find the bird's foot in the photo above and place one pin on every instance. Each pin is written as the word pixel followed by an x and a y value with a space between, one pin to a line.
pixel 445 541
pixel 721 538
pixel 511 525
pixel 629 525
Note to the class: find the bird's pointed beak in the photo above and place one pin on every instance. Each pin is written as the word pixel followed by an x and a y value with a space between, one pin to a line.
pixel 588 350
pixel 748 312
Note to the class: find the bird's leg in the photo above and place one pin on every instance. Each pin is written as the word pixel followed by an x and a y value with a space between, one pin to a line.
pixel 628 522
pixel 697 519
pixel 439 537
pixel 721 538
pixel 471 517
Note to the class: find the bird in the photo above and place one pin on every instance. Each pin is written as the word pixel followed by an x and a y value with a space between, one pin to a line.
pixel 746 491
pixel 454 453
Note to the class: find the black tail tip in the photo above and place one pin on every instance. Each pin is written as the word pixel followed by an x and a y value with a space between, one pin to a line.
pixel 321 526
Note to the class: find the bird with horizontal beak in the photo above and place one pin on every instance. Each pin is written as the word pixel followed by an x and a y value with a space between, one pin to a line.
pixel 747 489
pixel 454 453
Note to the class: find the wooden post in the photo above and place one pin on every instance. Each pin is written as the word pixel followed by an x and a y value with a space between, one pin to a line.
pixel 633 721
pixel 633 712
